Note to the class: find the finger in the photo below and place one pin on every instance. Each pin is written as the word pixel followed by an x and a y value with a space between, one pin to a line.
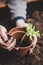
pixel 3 32
pixel 12 45
pixel 2 42
pixel 10 41
pixel 4 47
pixel 3 28
pixel 31 51
pixel 4 36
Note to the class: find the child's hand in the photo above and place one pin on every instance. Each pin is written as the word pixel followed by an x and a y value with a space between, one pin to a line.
pixel 21 23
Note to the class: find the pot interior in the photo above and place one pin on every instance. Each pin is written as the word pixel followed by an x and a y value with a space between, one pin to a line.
pixel 25 43
pixel 18 35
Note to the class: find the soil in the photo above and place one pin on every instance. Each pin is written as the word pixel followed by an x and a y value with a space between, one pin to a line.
pixel 35 13
pixel 23 44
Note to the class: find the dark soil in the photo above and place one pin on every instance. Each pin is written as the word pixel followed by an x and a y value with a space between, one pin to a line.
pixel 24 43
pixel 35 13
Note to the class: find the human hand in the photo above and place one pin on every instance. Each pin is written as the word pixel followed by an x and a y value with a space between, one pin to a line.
pixel 6 43
pixel 21 23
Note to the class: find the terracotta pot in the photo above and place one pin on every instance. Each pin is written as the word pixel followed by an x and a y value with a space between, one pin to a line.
pixel 16 29
pixel 18 34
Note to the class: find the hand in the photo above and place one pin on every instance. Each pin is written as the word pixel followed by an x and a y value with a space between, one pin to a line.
pixel 9 45
pixel 21 23
pixel 4 42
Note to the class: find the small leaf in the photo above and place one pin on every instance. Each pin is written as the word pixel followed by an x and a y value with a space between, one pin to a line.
pixel 37 33
pixel 34 28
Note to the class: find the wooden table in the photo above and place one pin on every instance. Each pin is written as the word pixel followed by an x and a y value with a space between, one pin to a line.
pixel 2 5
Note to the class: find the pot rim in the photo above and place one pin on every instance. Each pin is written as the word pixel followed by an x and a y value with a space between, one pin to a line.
pixel 15 28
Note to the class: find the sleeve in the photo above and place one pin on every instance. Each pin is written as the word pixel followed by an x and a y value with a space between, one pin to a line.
pixel 17 8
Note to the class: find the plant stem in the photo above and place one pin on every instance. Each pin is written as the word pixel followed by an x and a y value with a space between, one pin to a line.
pixel 23 38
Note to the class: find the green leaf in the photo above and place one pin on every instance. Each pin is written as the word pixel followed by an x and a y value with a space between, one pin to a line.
pixel 30 30
pixel 34 27
pixel 37 33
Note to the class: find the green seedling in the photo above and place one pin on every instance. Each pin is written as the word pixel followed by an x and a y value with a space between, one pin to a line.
pixel 30 32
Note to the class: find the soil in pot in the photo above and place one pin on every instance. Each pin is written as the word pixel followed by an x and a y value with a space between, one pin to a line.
pixel 25 43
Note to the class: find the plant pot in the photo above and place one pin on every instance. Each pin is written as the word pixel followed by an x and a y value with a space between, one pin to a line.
pixel 18 34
